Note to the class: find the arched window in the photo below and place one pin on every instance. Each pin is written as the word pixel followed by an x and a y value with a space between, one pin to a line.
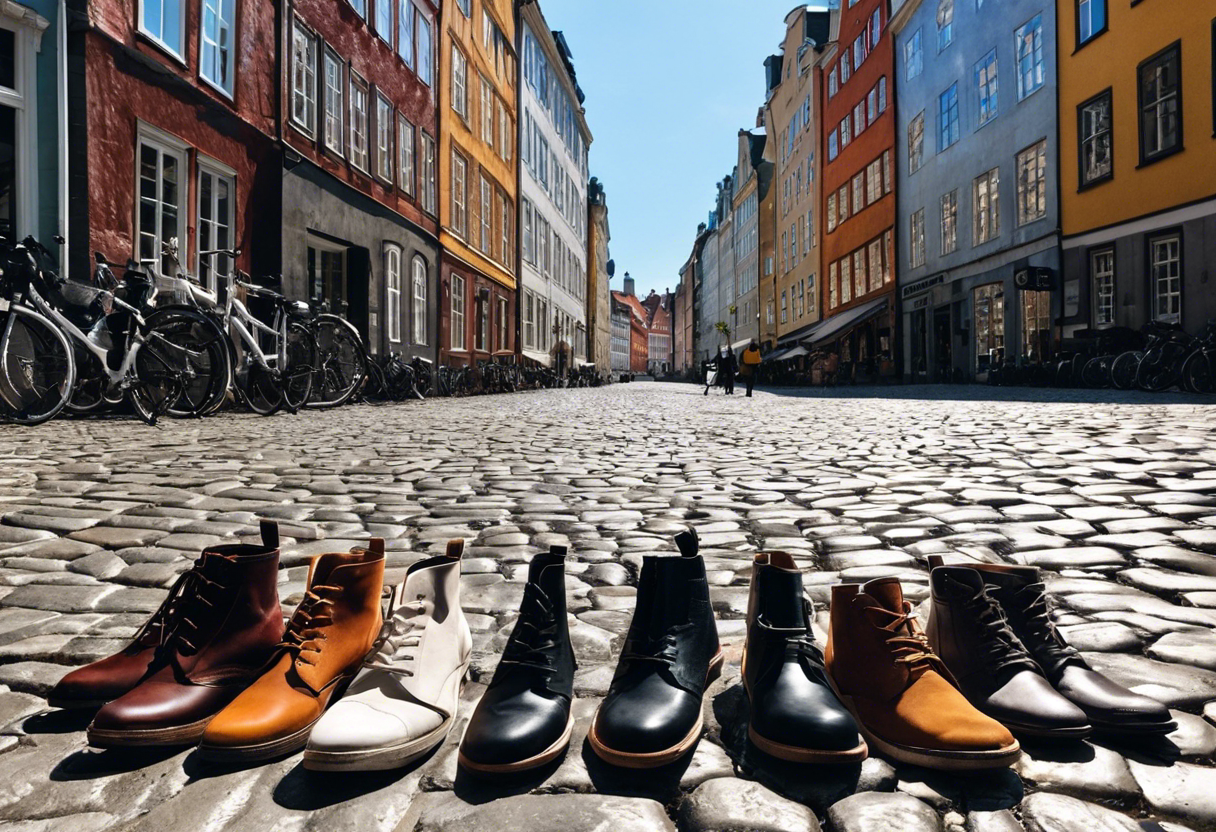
pixel 419 278
pixel 392 284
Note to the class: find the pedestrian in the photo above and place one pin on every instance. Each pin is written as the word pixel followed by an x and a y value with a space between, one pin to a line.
pixel 727 367
pixel 750 366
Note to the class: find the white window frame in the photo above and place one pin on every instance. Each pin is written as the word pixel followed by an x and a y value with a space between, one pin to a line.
pixel 407 173
pixel 385 29
pixel 916 142
pixel 1093 132
pixel 487 111
pixel 1169 287
pixel 986 83
pixel 405 31
pixel 1102 271
pixel 385 124
pixel 485 237
pixel 424 43
pixel 1028 47
pixel 458 315
pixel 178 50
pixel 165 145
pixel 460 194
pixel 359 141
pixel 221 42
pixel 460 79
pixel 914 56
pixel 392 290
pixel 949 204
pixel 335 103
pixel 215 264
pixel 303 79
pixel 986 207
pixel 916 254
pixel 945 24
pixel 429 185
pixel 1032 183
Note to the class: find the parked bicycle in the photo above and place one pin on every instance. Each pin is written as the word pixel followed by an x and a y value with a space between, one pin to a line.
pixel 1199 368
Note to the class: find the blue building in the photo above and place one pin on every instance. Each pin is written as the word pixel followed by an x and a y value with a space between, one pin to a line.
pixel 977 197
pixel 32 118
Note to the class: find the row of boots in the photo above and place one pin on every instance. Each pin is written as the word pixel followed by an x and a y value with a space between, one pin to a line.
pixel 360 689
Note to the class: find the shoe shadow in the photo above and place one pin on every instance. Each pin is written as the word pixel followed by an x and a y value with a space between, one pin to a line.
pixel 58 721
pixel 310 791
pixel 1151 749
pixel 988 790
pixel 93 763
pixel 476 788
pixel 661 784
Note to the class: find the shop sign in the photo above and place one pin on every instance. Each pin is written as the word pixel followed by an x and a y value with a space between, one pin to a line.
pixel 923 285
pixel 1072 297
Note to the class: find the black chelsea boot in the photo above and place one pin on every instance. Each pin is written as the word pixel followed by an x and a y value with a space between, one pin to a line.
pixel 794 713
pixel 652 714
pixel 523 720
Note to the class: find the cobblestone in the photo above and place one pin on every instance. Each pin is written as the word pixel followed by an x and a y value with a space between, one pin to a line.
pixel 1114 495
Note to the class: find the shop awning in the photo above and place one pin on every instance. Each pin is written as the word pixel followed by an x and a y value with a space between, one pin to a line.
pixel 791 338
pixel 831 328
pixel 775 356
pixel 738 345
pixel 796 352
pixel 541 358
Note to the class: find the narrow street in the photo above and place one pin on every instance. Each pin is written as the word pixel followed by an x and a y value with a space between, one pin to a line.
pixel 1114 494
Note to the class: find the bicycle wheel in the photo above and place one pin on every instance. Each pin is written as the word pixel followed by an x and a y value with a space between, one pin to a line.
pixel 159 373
pixel 199 350
pixel 1155 374
pixel 341 364
pixel 1096 372
pixel 297 374
pixel 257 387
pixel 1123 370
pixel 92 390
pixel 1197 373
pixel 37 368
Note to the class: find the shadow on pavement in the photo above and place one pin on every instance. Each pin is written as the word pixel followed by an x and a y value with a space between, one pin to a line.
pixel 661 784
pixel 310 791
pixel 90 763
pixel 475 789
pixel 58 722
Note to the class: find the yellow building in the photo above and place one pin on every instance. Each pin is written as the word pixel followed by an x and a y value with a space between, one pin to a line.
pixel 478 180
pixel 1137 161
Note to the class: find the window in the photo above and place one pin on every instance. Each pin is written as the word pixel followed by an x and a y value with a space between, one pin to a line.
pixel 422 39
pixel 502 324
pixel 506 216
pixel 358 122
pixel 384 28
pixel 842 197
pixel 460 196
pixel 529 243
pixel 164 21
pixel 1102 269
pixel 405 32
pixel 832 279
pixel 887 173
pixel 529 320
pixel 988 317
pixel 420 316
pixel 1166 272
pixel 874 182
pixel 487 112
pixel 846 131
pixel 504 132
pixel 1091 20
pixel 859 273
pixel 846 280
pixel 916 142
pixel 1036 324
pixel 875 252
pixel 360 7
pixel 1032 183
pixel 985 82
pixel 875 28
pixel 833 146
pixel 832 211
pixel 1097 139
pixel 888 250
pixel 303 78
pixel 392 287
pixel 482 309
pixel 384 139
pixel 882 93
pixel 216 193
pixel 859 117
pixel 784 308
pixel 215 53
pixel 859 52
pixel 918 239
pixel 987 206
pixel 430 194
pixel 950 222
pixel 335 86
pixel 1161 105
pixel 859 193
pixel 1030 56
pixel 913 56
pixel 487 217
pixel 466 7
pixel 947 107
pixel 458 333
pixel 833 83
pixel 460 101
pixel 846 68
pixel 945 24
pixel 161 170
pixel 405 155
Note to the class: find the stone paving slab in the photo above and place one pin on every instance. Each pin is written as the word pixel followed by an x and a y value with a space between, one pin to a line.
pixel 1114 495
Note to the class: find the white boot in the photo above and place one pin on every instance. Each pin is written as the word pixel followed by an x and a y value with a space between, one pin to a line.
pixel 403 702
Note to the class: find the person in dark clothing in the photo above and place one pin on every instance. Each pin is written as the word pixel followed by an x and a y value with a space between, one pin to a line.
pixel 750 366
pixel 727 366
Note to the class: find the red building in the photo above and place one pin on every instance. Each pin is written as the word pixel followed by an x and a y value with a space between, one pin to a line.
pixel 172 132
pixel 858 129
pixel 358 92
pixel 659 361
pixel 639 328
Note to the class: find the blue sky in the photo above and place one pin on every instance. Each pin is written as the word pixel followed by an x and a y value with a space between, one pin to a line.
pixel 669 83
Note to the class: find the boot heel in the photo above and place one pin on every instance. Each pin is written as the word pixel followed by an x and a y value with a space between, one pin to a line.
pixel 715 668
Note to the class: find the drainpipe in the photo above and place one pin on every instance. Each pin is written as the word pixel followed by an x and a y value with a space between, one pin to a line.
pixel 61 45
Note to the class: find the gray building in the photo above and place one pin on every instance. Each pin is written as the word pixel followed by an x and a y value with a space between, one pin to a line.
pixel 977 188
pixel 708 337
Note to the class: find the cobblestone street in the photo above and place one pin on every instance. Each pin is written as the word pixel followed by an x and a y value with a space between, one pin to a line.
pixel 1113 494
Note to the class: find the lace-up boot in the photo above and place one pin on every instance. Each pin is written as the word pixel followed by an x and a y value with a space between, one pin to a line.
pixel 967 628
pixel 652 714
pixel 523 721
pixel 784 677
pixel 403 701
pixel 904 699
pixel 1111 708
pixel 326 641
pixel 203 646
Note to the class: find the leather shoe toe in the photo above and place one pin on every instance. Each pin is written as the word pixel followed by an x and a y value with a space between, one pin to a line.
pixel 651 717
pixel 1029 703
pixel 515 727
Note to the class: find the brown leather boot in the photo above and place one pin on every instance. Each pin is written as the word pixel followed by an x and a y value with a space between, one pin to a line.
pixel 905 700
pixel 217 628
pixel 332 631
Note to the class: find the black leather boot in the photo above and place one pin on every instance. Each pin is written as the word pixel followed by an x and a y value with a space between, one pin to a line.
pixel 652 714
pixel 523 721
pixel 1111 708
pixel 794 713
pixel 968 630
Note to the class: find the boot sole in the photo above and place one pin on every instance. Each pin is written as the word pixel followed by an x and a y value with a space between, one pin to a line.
pixel 550 754
pixel 378 759
pixel 257 752
pixel 77 704
pixel 1138 729
pixel 655 759
pixel 1073 733
pixel 147 737
pixel 797 754
pixel 941 760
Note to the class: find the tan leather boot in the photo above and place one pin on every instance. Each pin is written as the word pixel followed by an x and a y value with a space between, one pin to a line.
pixel 907 704
pixel 327 639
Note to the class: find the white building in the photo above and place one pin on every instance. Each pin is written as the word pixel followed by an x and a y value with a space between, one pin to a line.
pixel 553 195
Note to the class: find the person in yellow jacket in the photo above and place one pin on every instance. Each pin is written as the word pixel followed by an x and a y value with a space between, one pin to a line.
pixel 749 366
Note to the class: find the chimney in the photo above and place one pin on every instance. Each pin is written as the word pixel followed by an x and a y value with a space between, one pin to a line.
pixel 628 284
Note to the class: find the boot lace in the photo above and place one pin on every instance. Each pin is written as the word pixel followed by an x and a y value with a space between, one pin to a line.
pixel 1000 648
pixel 400 633
pixel 908 642
pixel 1042 637
pixel 193 595
pixel 306 630
pixel 534 639
pixel 663 648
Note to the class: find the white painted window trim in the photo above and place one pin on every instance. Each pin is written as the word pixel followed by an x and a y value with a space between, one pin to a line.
pixel 392 296
pixel 221 171
pixel 174 52
pixel 27 27
pixel 202 42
